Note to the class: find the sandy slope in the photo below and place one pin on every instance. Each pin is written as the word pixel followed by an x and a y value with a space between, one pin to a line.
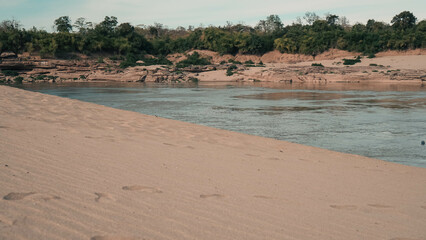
pixel 75 170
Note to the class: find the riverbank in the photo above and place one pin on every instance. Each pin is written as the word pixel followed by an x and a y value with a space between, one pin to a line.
pixel 77 170
pixel 393 67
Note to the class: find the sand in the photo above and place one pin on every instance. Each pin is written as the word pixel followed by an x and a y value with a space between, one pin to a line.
pixel 76 170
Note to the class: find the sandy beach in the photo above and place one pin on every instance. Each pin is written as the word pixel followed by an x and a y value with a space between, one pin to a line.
pixel 77 170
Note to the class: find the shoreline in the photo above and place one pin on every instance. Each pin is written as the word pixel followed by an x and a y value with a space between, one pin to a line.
pixel 387 67
pixel 79 170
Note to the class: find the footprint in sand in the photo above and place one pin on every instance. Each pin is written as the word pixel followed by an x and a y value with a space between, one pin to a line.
pixel 252 155
pixel 344 207
pixel 169 144
pixel 379 206
pixel 142 189
pixel 211 195
pixel 101 197
pixel 50 197
pixel 17 196
pixel 112 238
pixel 262 196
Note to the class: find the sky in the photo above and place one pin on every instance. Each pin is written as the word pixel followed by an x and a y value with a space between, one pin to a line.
pixel 174 13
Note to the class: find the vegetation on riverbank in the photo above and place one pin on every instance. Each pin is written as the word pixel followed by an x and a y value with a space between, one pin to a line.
pixel 312 36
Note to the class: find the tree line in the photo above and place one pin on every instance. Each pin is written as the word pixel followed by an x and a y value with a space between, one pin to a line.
pixel 309 36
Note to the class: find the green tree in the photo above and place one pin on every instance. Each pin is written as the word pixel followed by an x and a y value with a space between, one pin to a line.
pixel 63 24
pixel 272 24
pixel 107 26
pixel 12 38
pixel 82 25
pixel 310 17
pixel 332 19
pixel 404 20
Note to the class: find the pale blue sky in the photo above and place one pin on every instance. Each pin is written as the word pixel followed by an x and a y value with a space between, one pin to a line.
pixel 173 13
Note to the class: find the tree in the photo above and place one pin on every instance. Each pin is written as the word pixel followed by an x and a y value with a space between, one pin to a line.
pixel 63 24
pixel 272 25
pixel 11 36
pixel 344 22
pixel 125 29
pixel 107 26
pixel 331 19
pixel 82 25
pixel 404 20
pixel 310 17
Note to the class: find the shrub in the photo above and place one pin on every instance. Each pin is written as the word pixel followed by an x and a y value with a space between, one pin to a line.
pixel 222 62
pixel 10 73
pixel 18 79
pixel 100 60
pixel 373 65
pixel 229 71
pixel 193 79
pixel 317 65
pixel 371 55
pixel 233 67
pixel 249 62
pixel 234 61
pixel 117 57
pixel 40 77
pixel 193 59
pixel 351 61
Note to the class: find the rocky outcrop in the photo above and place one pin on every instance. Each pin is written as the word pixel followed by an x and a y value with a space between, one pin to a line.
pixel 279 68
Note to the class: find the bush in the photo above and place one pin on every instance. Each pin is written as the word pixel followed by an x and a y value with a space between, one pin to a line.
pixel 233 67
pixel 234 62
pixel 117 57
pixel 229 71
pixel 351 61
pixel 371 55
pixel 10 73
pixel 317 65
pixel 40 77
pixel 18 80
pixel 222 62
pixel 373 65
pixel 193 59
pixel 249 62
pixel 193 79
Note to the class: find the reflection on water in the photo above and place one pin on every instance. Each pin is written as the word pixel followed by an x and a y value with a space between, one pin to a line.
pixel 352 118
pixel 299 95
